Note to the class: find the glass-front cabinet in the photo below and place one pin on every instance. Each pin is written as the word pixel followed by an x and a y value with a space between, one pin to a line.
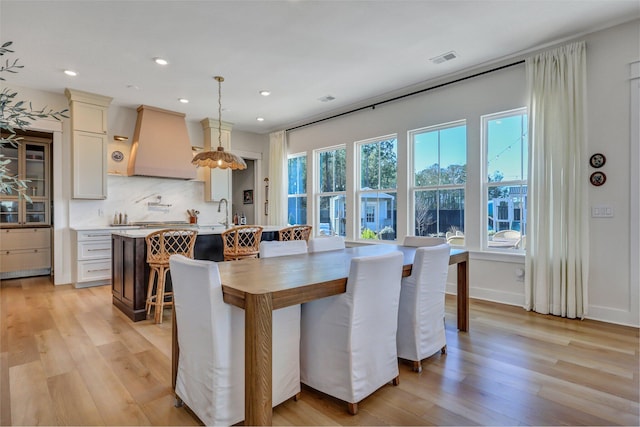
pixel 29 161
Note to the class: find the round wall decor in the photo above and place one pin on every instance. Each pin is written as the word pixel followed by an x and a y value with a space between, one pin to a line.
pixel 598 178
pixel 597 160
pixel 117 156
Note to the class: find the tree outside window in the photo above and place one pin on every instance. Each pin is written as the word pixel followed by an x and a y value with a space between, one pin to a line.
pixel 377 190
pixel 439 179
pixel 331 192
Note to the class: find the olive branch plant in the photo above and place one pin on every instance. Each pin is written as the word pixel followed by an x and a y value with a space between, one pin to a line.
pixel 16 115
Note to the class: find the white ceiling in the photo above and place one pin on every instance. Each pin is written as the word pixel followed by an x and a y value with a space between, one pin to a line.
pixel 299 50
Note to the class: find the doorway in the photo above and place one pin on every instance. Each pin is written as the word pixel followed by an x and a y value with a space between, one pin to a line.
pixel 244 192
pixel 247 192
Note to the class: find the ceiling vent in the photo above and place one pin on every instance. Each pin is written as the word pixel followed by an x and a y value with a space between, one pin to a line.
pixel 326 98
pixel 444 57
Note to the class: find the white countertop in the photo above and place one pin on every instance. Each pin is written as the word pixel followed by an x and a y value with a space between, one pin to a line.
pixel 143 232
pixel 102 227
pixel 137 231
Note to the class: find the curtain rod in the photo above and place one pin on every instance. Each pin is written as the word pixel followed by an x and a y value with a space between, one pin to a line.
pixel 417 92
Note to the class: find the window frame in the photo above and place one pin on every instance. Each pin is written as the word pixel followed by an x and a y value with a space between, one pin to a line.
pixel 298 195
pixel 317 194
pixel 413 188
pixel 359 192
pixel 486 185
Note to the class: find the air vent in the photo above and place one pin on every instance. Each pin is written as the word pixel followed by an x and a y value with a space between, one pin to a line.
pixel 326 98
pixel 444 57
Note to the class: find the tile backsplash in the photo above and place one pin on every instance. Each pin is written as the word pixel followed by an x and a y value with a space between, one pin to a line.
pixel 131 195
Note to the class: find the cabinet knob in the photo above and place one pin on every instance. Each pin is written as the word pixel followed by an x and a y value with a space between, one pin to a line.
pixel 35 250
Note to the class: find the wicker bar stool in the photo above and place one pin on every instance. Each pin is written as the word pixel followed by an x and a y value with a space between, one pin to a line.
pixel 242 242
pixel 161 245
pixel 295 232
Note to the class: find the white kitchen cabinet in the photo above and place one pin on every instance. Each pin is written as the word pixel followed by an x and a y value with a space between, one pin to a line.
pixel 217 182
pixel 88 144
pixel 220 185
pixel 93 257
pixel 89 165
pixel 25 252
pixel 89 117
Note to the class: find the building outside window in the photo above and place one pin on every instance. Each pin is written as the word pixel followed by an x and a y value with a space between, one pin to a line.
pixel 505 144
pixel 377 188
pixel 297 200
pixel 331 190
pixel 438 180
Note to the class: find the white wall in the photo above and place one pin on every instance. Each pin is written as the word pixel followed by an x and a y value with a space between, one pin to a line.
pixel 613 296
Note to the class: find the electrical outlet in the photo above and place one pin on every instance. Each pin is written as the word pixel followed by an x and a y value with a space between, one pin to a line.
pixel 602 211
pixel 100 212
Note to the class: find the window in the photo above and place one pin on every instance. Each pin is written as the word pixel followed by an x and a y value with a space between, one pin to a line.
pixel 378 176
pixel 505 144
pixel 297 170
pixel 438 179
pixel 370 213
pixel 331 191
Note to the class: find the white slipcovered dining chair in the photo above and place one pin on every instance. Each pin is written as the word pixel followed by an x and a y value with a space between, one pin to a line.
pixel 421 330
pixel 281 248
pixel 348 341
pixel 210 378
pixel 326 243
pixel 420 241
pixel 456 241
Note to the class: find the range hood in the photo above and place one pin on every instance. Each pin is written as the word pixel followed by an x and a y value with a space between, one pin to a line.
pixel 161 146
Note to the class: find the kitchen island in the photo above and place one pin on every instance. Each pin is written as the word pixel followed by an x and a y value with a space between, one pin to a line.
pixel 130 271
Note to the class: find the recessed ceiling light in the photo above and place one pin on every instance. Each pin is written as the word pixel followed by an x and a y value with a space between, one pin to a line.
pixel 260 119
pixel 160 61
pixel 183 100
pixel 265 93
pixel 70 73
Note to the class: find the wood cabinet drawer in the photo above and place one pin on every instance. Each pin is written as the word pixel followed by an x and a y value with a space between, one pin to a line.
pixel 28 259
pixel 92 235
pixel 25 238
pixel 94 270
pixel 94 250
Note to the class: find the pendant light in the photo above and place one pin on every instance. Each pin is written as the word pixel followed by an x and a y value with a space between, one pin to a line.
pixel 219 158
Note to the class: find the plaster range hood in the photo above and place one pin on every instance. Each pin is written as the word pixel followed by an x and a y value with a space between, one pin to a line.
pixel 161 146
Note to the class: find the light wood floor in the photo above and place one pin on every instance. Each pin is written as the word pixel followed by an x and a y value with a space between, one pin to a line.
pixel 68 357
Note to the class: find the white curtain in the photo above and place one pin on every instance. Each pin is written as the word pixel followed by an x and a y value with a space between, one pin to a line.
pixel 557 259
pixel 278 181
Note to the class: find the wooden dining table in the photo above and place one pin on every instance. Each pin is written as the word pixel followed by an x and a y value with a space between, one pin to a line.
pixel 262 285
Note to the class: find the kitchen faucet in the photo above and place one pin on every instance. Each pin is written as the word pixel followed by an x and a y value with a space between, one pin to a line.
pixel 226 212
